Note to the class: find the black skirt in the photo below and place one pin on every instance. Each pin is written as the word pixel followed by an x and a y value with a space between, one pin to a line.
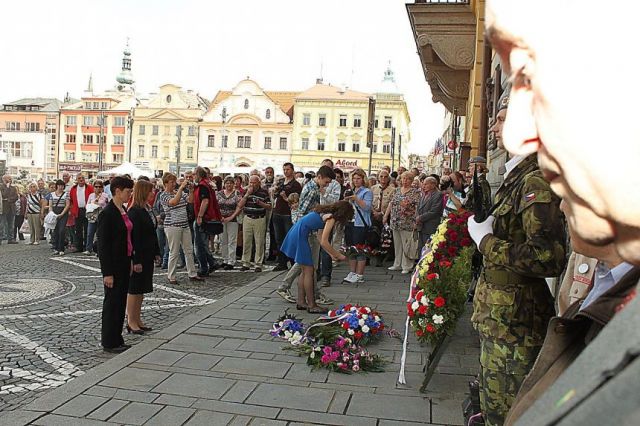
pixel 141 283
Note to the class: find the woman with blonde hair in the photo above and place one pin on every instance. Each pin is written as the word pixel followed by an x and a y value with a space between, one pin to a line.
pixel 361 198
pixel 146 251
pixel 35 214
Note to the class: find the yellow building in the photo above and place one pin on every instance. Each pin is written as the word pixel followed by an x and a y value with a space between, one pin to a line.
pixel 456 62
pixel 156 124
pixel 331 122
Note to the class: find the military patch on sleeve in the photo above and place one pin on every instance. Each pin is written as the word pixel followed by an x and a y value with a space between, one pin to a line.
pixel 530 197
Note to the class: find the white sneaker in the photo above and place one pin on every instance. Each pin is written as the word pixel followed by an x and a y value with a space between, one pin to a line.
pixel 37 243
pixel 394 268
pixel 351 278
pixel 406 271
pixel 61 253
pixel 359 278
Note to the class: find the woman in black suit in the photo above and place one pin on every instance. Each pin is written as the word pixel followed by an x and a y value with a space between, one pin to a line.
pixel 115 249
pixel 146 252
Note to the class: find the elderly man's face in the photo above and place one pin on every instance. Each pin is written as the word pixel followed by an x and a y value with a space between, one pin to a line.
pixel 254 181
pixel 66 177
pixel 80 180
pixel 554 109
pixel 40 184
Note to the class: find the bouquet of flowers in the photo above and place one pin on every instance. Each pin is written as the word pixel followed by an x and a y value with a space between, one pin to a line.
pixel 290 328
pixel 343 356
pixel 359 249
pixel 361 323
pixel 441 279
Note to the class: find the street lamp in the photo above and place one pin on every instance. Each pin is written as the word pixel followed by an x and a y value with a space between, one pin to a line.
pixel 224 121
pixel 179 135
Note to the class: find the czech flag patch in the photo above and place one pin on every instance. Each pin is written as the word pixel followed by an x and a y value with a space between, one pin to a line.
pixel 530 197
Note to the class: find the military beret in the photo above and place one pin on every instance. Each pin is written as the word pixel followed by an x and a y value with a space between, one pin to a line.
pixel 477 159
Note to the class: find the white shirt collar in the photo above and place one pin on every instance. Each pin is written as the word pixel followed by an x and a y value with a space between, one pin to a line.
pixel 512 163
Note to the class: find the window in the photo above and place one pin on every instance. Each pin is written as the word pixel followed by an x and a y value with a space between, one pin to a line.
pixel 87 105
pixel 247 141
pixel 375 124
pixel 18 149
pixel 355 147
pixel 305 144
pixel 306 119
pixel 87 138
pixel 191 131
pixel 88 157
pixel 140 150
pixel 167 130
pixel 101 120
pixel 341 146
pixel 320 144
pixel 87 120
pixel 168 99
pixel 141 129
pixel 211 141
pixel 387 122
pixel 375 148
pixel 70 156
pixel 118 139
pixel 104 139
pixel 118 121
pixel 283 143
pixel 71 139
pixel 267 115
pixel 12 125
pixel 154 151
pixel 267 142
pixel 32 127
pixel 246 104
pixel 103 105
pixel 71 120
pixel 189 152
pixel 386 148
pixel 322 120
pixel 117 158
pixel 154 130
pixel 240 142
pixel 225 139
pixel 96 105
pixel 165 152
pixel 343 120
pixel 357 121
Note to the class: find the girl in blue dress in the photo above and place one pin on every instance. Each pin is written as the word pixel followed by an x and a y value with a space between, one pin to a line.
pixel 296 246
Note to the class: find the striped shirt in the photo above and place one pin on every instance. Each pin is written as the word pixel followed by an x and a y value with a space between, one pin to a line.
pixel 176 216
pixel 33 203
pixel 57 203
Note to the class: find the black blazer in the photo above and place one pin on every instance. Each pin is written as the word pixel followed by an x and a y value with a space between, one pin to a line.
pixel 112 242
pixel 144 238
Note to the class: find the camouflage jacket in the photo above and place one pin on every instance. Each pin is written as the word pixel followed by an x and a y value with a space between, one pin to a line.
pixel 485 188
pixel 513 303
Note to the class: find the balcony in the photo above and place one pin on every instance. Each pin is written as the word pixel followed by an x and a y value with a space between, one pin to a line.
pixel 445 35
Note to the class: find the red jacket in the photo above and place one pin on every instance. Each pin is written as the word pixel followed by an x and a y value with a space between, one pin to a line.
pixel 213 209
pixel 73 197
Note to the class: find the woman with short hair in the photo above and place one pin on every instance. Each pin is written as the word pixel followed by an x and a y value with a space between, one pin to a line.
pixel 228 200
pixel 34 213
pixel 145 252
pixel 361 198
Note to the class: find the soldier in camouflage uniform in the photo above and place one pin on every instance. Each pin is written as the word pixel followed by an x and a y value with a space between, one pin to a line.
pixel 522 243
pixel 479 163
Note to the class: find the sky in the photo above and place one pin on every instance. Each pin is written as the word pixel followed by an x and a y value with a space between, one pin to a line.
pixel 211 45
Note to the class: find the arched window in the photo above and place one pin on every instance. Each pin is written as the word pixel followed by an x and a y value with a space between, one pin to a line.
pixel 168 99
pixel 246 104
pixel 268 114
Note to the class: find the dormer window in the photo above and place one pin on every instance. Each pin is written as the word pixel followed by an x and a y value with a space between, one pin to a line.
pixel 168 99
pixel 268 114
pixel 246 104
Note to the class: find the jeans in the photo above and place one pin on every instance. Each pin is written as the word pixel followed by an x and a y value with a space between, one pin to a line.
pixel 281 226
pixel 162 243
pixel 3 231
pixel 60 229
pixel 205 258
pixel 81 229
pixel 10 218
pixel 91 233
pixel 326 265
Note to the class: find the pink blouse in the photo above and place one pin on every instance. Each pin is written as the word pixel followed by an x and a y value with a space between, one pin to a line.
pixel 129 226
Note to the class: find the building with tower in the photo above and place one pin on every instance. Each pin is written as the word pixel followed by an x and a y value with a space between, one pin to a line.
pixel 95 132
pixel 247 127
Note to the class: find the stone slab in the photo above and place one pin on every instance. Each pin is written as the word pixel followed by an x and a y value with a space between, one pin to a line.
pixel 162 357
pixel 240 314
pixel 108 409
pixel 135 379
pixel 236 408
pixel 57 420
pixel 136 396
pixel 414 409
pixel 240 391
pixel 307 417
pixel 254 367
pixel 195 386
pixel 175 400
pixel 301 371
pixel 171 416
pixel 198 361
pixel 273 395
pixel 136 413
pixel 80 406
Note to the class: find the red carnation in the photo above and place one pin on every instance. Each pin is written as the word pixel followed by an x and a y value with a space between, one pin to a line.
pixel 439 302
pixel 452 251
pixel 345 325
pixel 465 242
pixel 432 276
pixel 422 310
pixel 419 294
pixel 419 332
pixel 363 311
pixel 332 313
pixel 358 335
pixel 453 236
pixel 445 264
pixel 347 307
pixel 430 328
pixel 437 256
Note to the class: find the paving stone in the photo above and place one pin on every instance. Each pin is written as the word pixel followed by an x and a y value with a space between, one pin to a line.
pixel 188 342
pixel 240 391
pixel 161 357
pixel 230 344
pixel 383 379
pixel 256 421
pixel 209 418
pixel 384 422
pixel 135 379
pixel 80 406
pixel 223 332
pixel 307 417
pixel 240 314
pixel 404 408
pixel 136 413
pixel 259 355
pixel 196 386
pixel 171 416
pixel 304 373
pixel 100 391
pixel 198 361
pixel 223 322
pixel 57 420
pixel 254 367
pixel 240 421
pixel 108 409
pixel 446 411
pixel 137 396
pixel 175 400
pixel 272 395
pixel 272 347
pixel 340 402
pixel 235 408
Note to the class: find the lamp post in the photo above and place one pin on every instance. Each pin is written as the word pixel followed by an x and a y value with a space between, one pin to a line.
pixel 224 116
pixel 101 143
pixel 179 135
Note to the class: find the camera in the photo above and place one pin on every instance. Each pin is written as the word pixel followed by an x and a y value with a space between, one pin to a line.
pixel 348 193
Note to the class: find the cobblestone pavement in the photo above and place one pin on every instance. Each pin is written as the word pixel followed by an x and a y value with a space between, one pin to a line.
pixel 50 316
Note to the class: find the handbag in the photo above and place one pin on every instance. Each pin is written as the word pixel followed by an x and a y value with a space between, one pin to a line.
pixel 212 227
pixel 410 246
pixel 372 234
pixel 24 229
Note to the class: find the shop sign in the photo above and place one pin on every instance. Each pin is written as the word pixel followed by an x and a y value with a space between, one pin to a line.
pixel 74 168
pixel 346 164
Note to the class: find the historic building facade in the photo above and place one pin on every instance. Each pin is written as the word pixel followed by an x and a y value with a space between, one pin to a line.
pixel 29 136
pixel 165 129
pixel 246 127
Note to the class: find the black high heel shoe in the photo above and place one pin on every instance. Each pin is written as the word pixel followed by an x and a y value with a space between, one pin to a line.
pixel 146 328
pixel 132 331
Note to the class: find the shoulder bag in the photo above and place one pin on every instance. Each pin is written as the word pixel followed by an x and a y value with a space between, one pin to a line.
pixel 372 234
